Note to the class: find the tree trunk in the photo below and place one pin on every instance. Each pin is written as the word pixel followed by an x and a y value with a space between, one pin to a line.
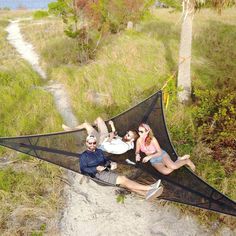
pixel 184 75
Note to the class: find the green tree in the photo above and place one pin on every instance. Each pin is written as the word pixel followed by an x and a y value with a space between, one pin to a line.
pixel 189 7
pixel 88 21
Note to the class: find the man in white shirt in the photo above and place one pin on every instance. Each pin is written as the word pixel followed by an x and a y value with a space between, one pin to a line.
pixel 108 142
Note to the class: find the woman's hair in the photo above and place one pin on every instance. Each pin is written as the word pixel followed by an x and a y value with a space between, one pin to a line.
pixel 150 135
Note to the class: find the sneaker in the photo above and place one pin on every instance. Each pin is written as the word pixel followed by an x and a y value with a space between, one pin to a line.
pixel 154 193
pixel 156 185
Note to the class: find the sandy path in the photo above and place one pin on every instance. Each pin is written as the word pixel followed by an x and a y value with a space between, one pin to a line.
pixel 91 209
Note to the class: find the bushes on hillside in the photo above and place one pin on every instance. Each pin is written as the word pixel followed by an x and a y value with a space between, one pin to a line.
pixel 88 21
pixel 40 14
pixel 215 115
pixel 114 14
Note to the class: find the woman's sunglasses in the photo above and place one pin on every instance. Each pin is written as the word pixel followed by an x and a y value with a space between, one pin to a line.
pixel 141 131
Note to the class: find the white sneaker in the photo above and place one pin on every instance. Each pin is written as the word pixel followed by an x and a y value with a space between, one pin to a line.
pixel 157 184
pixel 154 193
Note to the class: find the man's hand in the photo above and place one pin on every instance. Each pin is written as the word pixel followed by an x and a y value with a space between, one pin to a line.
pixel 100 168
pixel 110 122
pixel 113 165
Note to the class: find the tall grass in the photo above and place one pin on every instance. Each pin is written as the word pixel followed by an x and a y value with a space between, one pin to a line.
pixel 29 189
pixel 131 65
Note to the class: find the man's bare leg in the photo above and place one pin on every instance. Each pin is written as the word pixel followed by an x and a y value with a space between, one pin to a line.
pixel 132 185
pixel 140 192
pixel 84 125
pixel 102 129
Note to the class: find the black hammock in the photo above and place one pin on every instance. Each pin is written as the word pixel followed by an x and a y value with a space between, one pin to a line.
pixel 181 186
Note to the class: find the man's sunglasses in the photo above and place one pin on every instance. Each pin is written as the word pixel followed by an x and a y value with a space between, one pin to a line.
pixel 93 143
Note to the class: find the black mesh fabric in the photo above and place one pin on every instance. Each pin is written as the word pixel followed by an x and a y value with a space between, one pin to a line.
pixel 181 186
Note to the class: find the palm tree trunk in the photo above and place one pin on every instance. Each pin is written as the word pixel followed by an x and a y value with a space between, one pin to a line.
pixel 184 75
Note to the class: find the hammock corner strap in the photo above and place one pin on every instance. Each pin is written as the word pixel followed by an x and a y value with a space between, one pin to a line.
pixel 183 186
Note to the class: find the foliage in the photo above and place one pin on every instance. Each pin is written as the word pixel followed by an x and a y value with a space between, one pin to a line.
pixel 89 21
pixel 23 105
pixel 39 232
pixel 40 14
pixel 113 14
pixel 75 28
pixel 215 114
pixel 120 198
pixel 176 4
pixel 9 179
pixel 218 5
pixel 137 63
pixel 5 8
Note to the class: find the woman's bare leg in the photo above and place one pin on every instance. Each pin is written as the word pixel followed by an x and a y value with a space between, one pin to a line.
pixel 163 169
pixel 173 165
pixel 191 165
pixel 166 170
pixel 184 157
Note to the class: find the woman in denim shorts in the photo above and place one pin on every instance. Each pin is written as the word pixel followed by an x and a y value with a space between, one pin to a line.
pixel 159 158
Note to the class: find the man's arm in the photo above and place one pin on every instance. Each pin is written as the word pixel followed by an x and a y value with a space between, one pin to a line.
pixel 117 148
pixel 111 123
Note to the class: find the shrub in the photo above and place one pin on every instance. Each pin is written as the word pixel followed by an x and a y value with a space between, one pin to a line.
pixel 113 14
pixel 89 21
pixel 215 115
pixel 40 14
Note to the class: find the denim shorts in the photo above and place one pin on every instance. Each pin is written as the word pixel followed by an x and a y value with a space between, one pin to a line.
pixel 158 159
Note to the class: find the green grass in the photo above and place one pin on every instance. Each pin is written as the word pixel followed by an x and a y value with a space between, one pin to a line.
pixel 127 68
pixel 26 186
pixel 40 14
pixel 139 61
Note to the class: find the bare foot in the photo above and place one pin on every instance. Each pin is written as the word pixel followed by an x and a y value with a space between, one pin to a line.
pixel 66 128
pixel 185 157
pixel 95 122
pixel 191 165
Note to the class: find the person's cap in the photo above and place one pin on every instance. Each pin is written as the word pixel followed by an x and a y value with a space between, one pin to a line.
pixel 91 138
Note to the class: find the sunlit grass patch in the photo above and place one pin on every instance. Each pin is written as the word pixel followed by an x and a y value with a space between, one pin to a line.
pixel 25 108
pixel 28 199
pixel 14 14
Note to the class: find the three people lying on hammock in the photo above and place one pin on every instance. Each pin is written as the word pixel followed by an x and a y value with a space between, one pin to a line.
pixel 146 143
pixel 108 142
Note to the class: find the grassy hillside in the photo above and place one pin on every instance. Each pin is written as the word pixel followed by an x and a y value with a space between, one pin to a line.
pixel 29 189
pixel 131 65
